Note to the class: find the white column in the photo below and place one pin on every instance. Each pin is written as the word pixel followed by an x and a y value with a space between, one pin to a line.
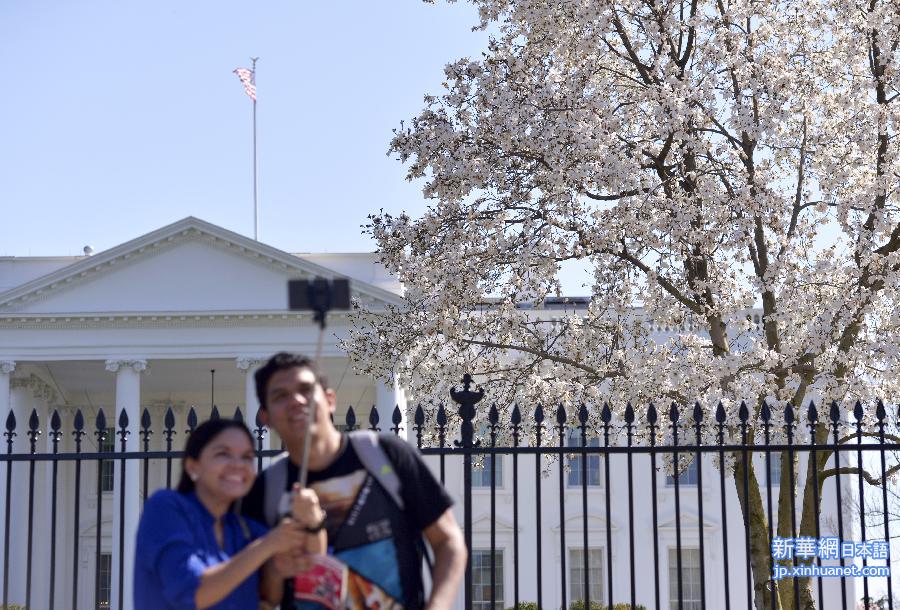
pixel 249 365
pixel 21 403
pixel 387 396
pixel 128 398
pixel 6 369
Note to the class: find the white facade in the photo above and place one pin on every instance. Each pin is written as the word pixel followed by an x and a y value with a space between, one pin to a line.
pixel 141 326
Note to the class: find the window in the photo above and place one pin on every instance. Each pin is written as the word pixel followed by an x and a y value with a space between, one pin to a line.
pixel 481 580
pixel 481 476
pixel 690 579
pixel 108 467
pixel 688 476
pixel 577 463
pixel 576 574
pixel 104 567
pixel 774 468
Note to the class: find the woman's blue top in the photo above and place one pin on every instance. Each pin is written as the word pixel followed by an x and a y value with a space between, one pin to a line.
pixel 176 544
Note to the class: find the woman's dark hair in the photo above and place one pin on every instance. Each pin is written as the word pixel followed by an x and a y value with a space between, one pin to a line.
pixel 199 439
pixel 280 362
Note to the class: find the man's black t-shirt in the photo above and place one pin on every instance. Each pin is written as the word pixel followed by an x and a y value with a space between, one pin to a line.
pixel 366 530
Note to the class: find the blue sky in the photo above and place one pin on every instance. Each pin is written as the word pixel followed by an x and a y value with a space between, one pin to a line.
pixel 121 117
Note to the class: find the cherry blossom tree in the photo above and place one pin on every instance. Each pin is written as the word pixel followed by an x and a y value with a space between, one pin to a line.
pixel 710 160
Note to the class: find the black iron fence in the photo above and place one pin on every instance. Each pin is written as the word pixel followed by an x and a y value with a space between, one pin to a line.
pixel 630 507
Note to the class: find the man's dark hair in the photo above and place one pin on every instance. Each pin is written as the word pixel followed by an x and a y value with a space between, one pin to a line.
pixel 200 438
pixel 282 361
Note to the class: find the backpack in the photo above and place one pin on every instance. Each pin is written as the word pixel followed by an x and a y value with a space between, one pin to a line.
pixel 373 458
pixel 276 501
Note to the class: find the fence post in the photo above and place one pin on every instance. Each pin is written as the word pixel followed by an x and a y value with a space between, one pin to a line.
pixel 467 399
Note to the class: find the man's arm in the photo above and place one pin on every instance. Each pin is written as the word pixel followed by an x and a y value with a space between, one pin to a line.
pixel 450 554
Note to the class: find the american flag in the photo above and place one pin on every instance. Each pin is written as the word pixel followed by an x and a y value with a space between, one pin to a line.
pixel 246 77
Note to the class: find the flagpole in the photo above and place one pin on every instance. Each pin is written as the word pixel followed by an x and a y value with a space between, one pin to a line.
pixel 255 184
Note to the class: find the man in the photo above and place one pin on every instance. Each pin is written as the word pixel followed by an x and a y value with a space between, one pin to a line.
pixel 380 543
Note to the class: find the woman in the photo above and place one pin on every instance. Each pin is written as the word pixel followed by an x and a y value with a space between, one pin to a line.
pixel 193 551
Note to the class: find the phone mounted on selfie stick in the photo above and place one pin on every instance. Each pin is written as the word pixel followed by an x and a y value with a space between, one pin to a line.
pixel 320 296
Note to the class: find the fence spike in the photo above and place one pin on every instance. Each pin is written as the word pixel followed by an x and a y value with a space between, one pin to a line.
pixel 123 432
pixel 214 414
pixel 516 416
pixel 192 419
pixel 78 423
pixel 834 413
pixel 811 414
pixel 493 415
pixel 419 416
pixel 743 412
pixel 374 418
pixel 583 415
pixel 100 424
pixel 441 417
pixel 34 430
pixel 858 413
pixel 11 422
pixel 652 416
pixel 145 432
pixel 396 415
pixel 720 414
pixel 258 420
pixel 55 422
pixel 350 418
pixel 606 414
pixel 789 414
pixel 561 417
pixel 673 413
pixel 539 414
pixel 698 412
pixel 55 429
pixel 238 416
pixel 880 413
pixel 629 414
pixel 765 413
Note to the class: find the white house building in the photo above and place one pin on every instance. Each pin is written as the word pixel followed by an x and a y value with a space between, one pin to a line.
pixel 180 318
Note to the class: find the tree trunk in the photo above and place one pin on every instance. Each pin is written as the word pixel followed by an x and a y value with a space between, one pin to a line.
pixel 812 497
pixel 765 598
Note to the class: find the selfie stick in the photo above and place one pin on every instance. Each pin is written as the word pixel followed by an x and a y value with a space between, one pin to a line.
pixel 320 296
pixel 311 411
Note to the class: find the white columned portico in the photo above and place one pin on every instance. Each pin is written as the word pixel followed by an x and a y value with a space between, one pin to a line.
pixel 387 396
pixel 249 365
pixel 6 370
pixel 128 398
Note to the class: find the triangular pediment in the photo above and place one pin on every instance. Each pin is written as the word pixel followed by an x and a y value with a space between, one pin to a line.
pixel 595 523
pixel 188 266
pixel 687 520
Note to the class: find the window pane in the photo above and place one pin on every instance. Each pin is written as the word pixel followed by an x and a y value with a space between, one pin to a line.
pixel 577 462
pixel 690 579
pixel 481 580
pixel 688 476
pixel 104 567
pixel 576 574
pixel 774 468
pixel 107 468
pixel 481 477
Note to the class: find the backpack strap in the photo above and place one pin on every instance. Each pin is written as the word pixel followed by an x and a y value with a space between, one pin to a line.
pixel 275 488
pixel 377 463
